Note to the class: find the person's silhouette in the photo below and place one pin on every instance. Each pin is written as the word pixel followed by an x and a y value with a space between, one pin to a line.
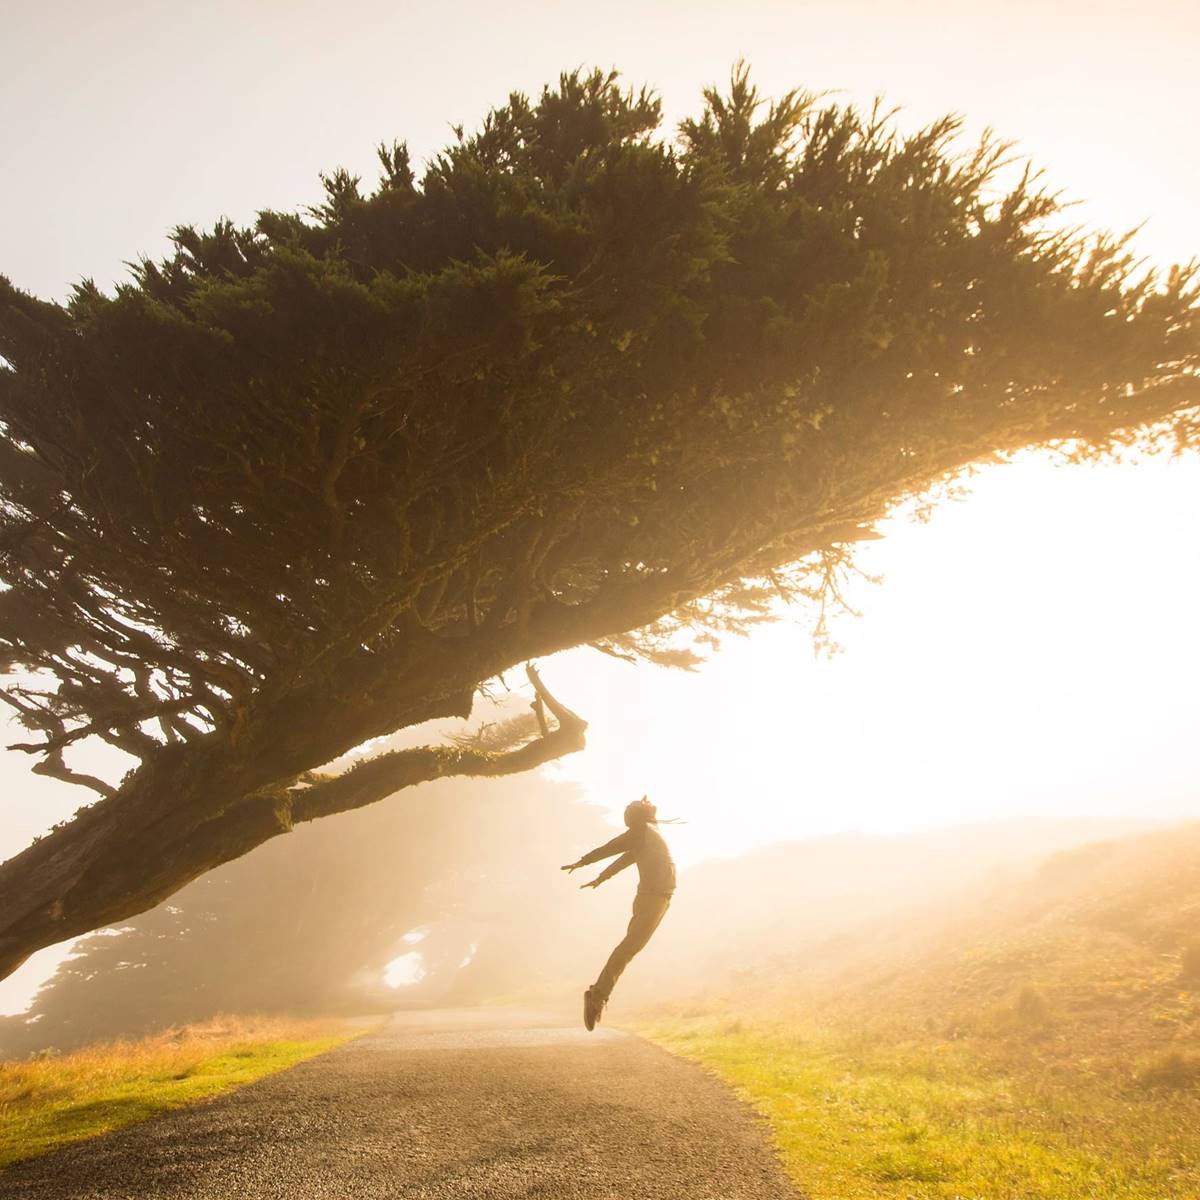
pixel 641 843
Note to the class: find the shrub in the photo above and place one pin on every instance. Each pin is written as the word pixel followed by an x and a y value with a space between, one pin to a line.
pixel 906 1166
pixel 1173 1071
pixel 1032 1008
pixel 1189 966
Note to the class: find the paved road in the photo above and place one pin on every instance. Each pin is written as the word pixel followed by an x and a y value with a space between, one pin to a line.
pixel 452 1104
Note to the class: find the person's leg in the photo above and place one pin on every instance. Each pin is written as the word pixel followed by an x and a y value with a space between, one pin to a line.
pixel 648 912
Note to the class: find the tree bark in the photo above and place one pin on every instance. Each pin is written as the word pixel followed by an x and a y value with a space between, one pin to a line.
pixel 195 805
pixel 126 854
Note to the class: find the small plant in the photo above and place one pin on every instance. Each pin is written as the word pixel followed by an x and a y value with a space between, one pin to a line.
pixel 906 1167
pixel 53 1098
pixel 1174 1071
pixel 1189 964
pixel 1031 1007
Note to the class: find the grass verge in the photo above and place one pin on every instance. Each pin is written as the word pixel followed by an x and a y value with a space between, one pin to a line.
pixel 48 1102
pixel 868 1118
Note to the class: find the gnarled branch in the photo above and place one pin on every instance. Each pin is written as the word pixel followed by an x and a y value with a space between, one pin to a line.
pixel 131 850
pixel 380 777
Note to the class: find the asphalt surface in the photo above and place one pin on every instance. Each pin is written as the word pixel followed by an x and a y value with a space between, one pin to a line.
pixel 450 1104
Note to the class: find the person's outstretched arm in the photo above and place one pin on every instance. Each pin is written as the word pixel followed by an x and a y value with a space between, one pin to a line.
pixel 618 845
pixel 619 864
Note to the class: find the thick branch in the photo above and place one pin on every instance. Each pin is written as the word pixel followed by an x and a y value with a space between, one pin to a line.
pixel 54 768
pixel 131 718
pixel 189 810
pixel 380 777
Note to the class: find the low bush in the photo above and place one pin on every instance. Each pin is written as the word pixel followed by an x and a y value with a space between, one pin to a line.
pixel 1189 965
pixel 1174 1071
pixel 1032 1008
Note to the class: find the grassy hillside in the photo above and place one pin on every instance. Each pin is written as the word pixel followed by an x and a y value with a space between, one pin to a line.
pixel 1092 955
pixel 1039 1037
pixel 811 904
pixel 51 1100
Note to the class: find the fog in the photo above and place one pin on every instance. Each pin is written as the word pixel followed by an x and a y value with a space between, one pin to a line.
pixel 453 896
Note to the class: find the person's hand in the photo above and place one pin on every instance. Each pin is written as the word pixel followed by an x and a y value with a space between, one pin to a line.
pixel 570 867
pixel 593 884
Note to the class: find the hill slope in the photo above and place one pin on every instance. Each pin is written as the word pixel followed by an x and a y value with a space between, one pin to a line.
pixel 1036 1037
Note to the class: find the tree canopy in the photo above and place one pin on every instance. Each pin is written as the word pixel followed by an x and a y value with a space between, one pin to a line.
pixel 303 484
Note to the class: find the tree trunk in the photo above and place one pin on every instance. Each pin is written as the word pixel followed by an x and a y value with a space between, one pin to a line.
pixel 130 851
pixel 193 806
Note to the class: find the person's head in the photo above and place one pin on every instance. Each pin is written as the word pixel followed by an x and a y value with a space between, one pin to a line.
pixel 640 812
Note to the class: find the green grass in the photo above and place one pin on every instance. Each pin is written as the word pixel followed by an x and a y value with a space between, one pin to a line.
pixel 48 1102
pixel 861 1117
pixel 1038 1040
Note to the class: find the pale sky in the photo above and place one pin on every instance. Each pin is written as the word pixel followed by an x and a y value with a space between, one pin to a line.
pixel 1032 650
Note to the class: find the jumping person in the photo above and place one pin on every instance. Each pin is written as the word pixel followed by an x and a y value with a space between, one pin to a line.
pixel 641 843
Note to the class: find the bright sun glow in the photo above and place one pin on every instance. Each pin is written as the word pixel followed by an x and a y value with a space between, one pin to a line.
pixel 1030 652
pixel 405 970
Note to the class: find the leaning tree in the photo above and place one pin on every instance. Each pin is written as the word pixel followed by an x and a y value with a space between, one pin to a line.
pixel 304 484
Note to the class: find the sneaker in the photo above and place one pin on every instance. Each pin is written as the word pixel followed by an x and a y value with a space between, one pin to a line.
pixel 592 1004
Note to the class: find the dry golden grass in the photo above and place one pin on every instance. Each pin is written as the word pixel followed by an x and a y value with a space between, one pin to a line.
pixel 1034 1045
pixel 860 1117
pixel 47 1101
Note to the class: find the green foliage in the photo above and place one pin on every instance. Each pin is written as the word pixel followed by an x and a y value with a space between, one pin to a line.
pixel 573 356
pixel 302 484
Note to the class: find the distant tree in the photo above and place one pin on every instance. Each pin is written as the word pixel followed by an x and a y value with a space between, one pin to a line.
pixel 309 923
pixel 307 483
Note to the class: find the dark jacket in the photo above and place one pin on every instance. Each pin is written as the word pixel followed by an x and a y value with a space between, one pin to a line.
pixel 644 845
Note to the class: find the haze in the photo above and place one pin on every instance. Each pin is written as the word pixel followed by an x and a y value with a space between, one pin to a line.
pixel 1031 651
